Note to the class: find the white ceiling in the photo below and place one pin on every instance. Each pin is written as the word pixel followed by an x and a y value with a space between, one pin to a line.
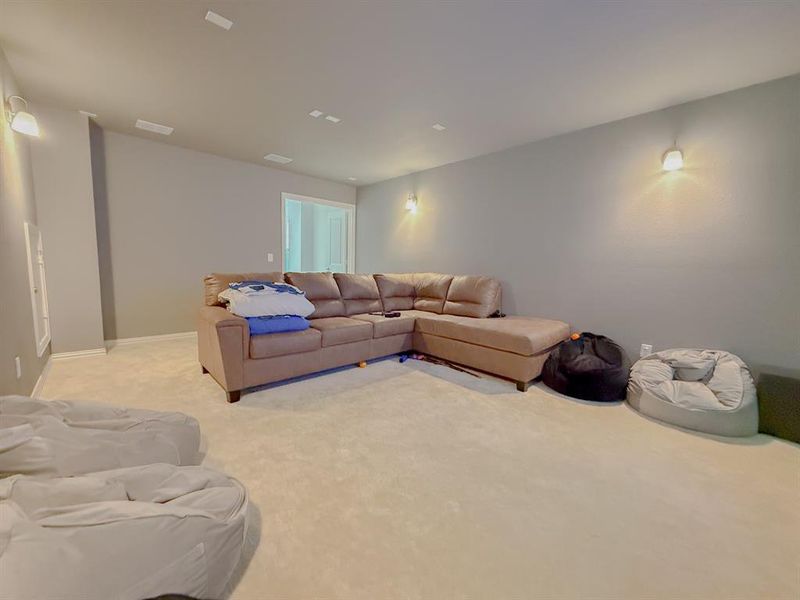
pixel 497 74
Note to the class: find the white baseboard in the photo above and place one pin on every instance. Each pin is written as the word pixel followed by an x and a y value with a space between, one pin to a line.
pixel 123 342
pixel 77 354
pixel 151 338
pixel 37 389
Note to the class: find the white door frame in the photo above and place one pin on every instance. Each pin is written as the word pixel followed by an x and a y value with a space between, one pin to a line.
pixel 351 231
pixel 36 263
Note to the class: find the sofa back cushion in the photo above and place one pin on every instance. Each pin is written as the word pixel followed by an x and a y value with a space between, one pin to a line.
pixel 473 296
pixel 396 290
pixel 431 291
pixel 218 282
pixel 359 293
pixel 322 291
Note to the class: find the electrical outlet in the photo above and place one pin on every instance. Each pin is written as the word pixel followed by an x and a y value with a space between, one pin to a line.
pixel 18 365
pixel 270 257
pixel 645 349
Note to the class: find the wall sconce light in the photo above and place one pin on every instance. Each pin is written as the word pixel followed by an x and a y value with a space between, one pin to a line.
pixel 411 203
pixel 21 120
pixel 673 160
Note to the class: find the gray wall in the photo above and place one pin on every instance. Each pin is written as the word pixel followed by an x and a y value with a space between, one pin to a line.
pixel 166 216
pixel 17 205
pixel 585 227
pixel 65 205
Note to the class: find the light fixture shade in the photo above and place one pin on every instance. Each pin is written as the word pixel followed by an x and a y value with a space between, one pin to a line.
pixel 411 203
pixel 25 122
pixel 673 160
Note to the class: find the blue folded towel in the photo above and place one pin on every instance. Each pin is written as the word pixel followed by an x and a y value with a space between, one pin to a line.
pixel 276 324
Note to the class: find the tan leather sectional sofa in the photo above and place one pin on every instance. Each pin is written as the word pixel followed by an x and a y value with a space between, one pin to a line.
pixel 446 316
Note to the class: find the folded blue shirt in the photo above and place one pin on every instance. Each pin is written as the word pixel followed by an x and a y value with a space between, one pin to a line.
pixel 276 324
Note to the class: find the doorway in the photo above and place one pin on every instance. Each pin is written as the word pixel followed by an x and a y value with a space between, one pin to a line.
pixel 38 287
pixel 318 235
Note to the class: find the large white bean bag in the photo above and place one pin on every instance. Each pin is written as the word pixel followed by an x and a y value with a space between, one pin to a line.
pixel 704 390
pixel 125 534
pixel 57 438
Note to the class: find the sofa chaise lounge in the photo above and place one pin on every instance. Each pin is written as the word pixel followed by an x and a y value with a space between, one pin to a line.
pixel 447 316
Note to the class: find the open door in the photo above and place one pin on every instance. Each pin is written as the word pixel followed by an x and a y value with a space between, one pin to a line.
pixel 318 235
pixel 337 238
pixel 38 285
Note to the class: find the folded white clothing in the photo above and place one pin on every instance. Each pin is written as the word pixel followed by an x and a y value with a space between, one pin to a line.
pixel 266 305
pixel 264 288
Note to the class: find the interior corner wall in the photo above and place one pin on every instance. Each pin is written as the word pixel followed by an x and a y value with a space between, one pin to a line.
pixel 65 205
pixel 17 205
pixel 587 228
pixel 167 216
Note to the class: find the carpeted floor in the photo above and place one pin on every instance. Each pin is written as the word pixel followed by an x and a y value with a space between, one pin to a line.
pixel 414 481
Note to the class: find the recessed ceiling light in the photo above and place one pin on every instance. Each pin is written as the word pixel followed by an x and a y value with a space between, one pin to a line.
pixel 86 113
pixel 352 179
pixel 332 119
pixel 154 127
pixel 277 158
pixel 315 113
pixel 218 20
pixel 439 127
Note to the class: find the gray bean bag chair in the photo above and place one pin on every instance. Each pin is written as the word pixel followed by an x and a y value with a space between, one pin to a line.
pixel 125 534
pixel 704 390
pixel 56 438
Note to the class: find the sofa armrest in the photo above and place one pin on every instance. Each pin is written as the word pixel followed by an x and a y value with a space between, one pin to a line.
pixel 223 341
pixel 220 317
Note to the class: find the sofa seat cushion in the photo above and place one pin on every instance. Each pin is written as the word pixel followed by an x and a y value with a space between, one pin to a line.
pixel 280 344
pixel 342 330
pixel 383 327
pixel 526 336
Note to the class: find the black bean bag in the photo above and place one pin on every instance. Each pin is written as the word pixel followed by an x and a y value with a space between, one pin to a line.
pixel 779 406
pixel 590 367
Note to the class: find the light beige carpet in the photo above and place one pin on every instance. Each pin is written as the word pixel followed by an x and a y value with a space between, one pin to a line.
pixel 414 481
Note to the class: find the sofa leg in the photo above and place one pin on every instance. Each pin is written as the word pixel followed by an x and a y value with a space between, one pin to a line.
pixel 362 364
pixel 522 386
pixel 204 369
pixel 234 396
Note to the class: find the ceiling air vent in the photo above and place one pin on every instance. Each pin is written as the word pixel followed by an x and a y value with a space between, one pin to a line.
pixel 154 127
pixel 218 20
pixel 277 158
